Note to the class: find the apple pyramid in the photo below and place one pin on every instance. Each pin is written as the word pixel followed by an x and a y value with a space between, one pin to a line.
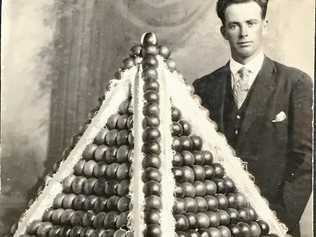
pixel 149 162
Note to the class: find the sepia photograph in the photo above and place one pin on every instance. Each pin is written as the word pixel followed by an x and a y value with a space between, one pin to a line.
pixel 157 118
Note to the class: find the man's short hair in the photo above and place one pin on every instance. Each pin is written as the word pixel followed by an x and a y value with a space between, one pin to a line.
pixel 223 4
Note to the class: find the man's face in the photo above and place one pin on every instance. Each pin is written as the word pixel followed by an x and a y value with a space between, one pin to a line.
pixel 244 29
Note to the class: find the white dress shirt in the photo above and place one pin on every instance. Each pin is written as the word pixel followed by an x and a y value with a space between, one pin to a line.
pixel 253 67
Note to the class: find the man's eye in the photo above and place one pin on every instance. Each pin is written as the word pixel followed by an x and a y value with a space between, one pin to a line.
pixel 232 26
pixel 252 23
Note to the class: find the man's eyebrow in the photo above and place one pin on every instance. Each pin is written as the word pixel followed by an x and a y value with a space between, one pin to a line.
pixel 253 20
pixel 248 20
pixel 233 22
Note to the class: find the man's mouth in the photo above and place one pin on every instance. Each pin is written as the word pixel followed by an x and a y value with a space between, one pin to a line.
pixel 244 43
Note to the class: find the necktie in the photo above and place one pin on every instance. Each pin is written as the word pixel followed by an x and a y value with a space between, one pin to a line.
pixel 241 85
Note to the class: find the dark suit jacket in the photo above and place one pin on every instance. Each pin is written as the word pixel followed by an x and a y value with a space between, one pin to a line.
pixel 279 154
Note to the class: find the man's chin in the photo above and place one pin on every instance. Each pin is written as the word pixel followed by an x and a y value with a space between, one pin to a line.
pixel 244 54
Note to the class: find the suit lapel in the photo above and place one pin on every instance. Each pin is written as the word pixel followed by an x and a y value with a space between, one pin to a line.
pixel 262 89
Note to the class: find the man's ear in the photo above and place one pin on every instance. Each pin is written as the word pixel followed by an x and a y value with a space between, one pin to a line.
pixel 265 26
pixel 223 32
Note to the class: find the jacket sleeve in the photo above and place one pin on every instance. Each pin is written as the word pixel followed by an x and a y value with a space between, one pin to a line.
pixel 197 86
pixel 298 182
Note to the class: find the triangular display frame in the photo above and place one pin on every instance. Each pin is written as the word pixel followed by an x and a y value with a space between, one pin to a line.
pixel 173 92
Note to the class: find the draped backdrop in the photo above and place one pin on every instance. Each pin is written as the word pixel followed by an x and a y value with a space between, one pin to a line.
pixel 58 55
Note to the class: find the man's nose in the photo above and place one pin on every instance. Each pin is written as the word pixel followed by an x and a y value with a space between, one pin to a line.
pixel 243 31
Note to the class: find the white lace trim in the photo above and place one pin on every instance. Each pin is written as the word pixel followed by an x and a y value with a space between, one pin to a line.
pixel 168 181
pixel 136 215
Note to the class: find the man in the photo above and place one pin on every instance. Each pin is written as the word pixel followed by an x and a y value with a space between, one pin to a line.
pixel 264 109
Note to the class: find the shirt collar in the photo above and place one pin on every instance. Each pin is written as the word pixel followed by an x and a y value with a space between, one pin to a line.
pixel 254 65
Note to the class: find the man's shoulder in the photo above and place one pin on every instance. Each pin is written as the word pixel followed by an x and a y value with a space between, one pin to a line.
pixel 292 74
pixel 211 78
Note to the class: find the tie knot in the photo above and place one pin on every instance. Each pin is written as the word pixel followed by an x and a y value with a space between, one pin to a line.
pixel 243 72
